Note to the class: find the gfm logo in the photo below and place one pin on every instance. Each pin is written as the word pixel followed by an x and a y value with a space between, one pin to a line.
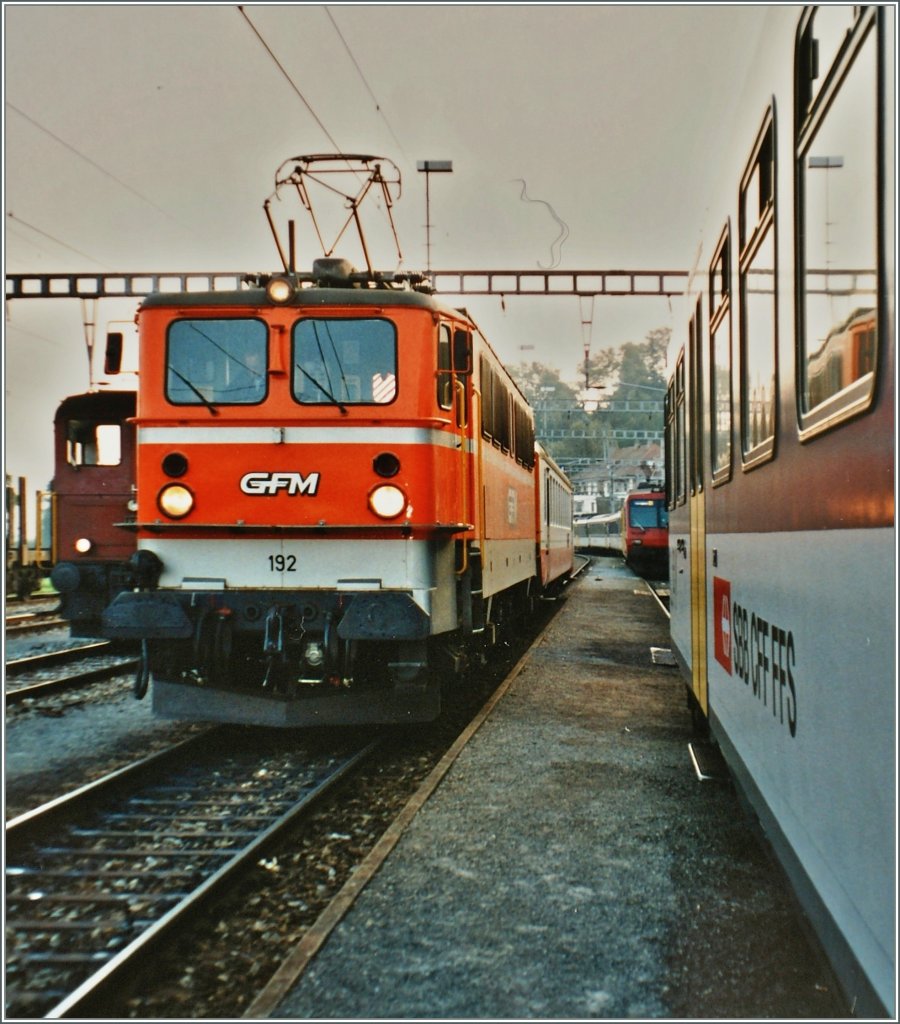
pixel 272 483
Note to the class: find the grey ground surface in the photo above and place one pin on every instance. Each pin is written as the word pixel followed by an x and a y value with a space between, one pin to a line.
pixel 571 865
pixel 58 744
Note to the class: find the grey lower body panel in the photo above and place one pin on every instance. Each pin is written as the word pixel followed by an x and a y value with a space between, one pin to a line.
pixel 382 706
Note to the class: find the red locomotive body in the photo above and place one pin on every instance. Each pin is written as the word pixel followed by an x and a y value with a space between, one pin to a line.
pixel 645 530
pixel 336 487
pixel 93 496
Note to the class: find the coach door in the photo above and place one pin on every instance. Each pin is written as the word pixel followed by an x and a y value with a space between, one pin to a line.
pixel 697 501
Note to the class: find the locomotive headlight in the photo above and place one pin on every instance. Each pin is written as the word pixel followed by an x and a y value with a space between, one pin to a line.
pixel 83 545
pixel 279 290
pixel 387 501
pixel 175 501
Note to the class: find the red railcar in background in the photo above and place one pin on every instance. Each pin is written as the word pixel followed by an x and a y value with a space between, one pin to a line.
pixel 644 535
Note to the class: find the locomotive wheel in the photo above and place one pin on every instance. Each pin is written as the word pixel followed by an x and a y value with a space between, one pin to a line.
pixel 212 647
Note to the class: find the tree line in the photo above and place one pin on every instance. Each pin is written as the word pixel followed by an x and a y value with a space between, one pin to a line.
pixel 614 401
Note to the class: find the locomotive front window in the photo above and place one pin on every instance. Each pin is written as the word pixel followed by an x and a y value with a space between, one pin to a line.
pixel 217 362
pixel 648 514
pixel 344 362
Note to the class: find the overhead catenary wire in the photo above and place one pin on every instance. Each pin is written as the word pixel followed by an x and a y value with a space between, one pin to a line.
pixel 366 84
pixel 18 220
pixel 290 81
pixel 88 160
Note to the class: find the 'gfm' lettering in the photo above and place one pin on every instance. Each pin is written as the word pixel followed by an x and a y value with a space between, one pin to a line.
pixel 272 483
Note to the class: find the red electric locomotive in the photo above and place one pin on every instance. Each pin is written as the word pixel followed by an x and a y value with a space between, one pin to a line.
pixel 93 497
pixel 337 490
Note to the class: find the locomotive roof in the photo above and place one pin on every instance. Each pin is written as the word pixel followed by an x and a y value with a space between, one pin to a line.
pixel 303 298
pixel 98 403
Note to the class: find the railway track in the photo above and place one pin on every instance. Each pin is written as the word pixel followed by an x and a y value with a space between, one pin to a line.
pixel 19 689
pixel 96 879
pixel 33 622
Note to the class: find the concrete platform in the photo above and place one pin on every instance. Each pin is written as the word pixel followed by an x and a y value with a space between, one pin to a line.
pixel 572 863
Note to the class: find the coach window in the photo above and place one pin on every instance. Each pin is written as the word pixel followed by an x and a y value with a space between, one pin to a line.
pixel 217 362
pixel 680 464
pixel 444 376
pixel 696 391
pixel 669 421
pixel 344 361
pixel 720 359
pixel 837 174
pixel 758 310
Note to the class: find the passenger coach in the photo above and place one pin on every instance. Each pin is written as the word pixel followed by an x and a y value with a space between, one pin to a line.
pixel 780 459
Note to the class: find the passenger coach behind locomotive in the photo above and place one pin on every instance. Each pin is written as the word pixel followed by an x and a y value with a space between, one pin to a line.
pixel 337 491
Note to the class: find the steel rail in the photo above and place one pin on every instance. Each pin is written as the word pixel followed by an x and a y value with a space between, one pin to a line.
pixel 34 625
pixel 62 683
pixel 276 813
pixel 38 661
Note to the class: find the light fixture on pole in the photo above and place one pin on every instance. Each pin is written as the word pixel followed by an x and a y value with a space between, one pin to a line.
pixel 429 167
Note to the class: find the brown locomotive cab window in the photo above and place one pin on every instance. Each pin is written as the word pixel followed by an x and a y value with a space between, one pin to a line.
pixel 758 332
pixel 344 361
pixel 838 216
pixel 89 443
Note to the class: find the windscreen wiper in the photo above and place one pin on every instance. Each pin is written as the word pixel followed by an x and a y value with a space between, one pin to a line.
pixel 196 391
pixel 322 388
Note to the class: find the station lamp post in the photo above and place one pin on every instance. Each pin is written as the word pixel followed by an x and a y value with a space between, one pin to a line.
pixel 429 167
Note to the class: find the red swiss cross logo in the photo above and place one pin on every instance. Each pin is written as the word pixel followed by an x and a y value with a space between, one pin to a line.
pixel 722 618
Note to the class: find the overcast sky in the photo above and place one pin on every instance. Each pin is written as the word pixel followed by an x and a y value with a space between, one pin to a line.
pixel 144 138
